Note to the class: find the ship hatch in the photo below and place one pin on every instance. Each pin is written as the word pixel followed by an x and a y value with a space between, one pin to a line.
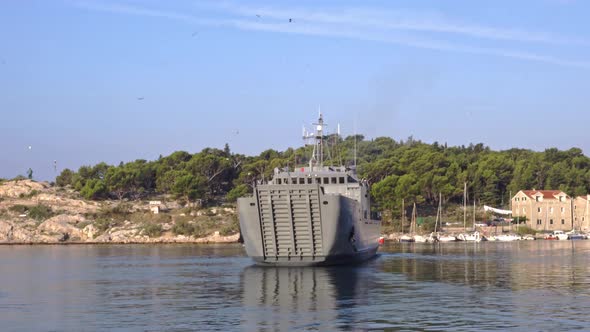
pixel 290 221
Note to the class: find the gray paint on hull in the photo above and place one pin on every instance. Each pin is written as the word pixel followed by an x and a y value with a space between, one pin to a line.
pixel 346 236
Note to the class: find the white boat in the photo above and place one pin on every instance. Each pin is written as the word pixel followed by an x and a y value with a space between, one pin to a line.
pixel 420 239
pixel 406 238
pixel 575 235
pixel 491 238
pixel 528 237
pixel 446 238
pixel 508 237
pixel 471 237
pixel 558 235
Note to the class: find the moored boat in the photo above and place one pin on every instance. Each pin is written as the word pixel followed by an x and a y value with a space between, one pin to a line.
pixel 508 237
pixel 446 238
pixel 575 235
pixel 556 235
pixel 471 237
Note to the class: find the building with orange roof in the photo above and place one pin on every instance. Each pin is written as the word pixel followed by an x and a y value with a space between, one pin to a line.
pixel 544 210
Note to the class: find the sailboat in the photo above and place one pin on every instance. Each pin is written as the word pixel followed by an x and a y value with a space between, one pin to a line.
pixel 474 236
pixel 413 228
pixel 404 237
pixel 441 238
pixel 574 234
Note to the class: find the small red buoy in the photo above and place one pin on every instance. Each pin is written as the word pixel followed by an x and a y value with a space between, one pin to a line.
pixel 381 240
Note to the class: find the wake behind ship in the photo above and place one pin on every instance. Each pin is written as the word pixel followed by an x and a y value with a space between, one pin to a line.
pixel 315 215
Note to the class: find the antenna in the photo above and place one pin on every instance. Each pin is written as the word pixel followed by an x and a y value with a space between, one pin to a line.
pixel 355 144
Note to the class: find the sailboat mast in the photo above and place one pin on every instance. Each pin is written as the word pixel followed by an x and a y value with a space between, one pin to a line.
pixel 403 215
pixel 473 213
pixel 414 227
pixel 464 206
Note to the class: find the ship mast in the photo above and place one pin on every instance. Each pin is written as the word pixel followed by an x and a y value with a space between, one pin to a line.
pixel 317 157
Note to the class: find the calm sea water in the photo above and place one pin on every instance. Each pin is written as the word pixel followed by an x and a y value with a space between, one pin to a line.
pixel 533 285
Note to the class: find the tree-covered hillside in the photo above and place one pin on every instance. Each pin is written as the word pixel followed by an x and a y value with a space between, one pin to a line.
pixel 410 170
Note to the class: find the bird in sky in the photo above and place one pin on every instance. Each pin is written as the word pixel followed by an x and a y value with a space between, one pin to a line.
pixel 258 15
pixel 194 34
pixel 290 20
pixel 140 98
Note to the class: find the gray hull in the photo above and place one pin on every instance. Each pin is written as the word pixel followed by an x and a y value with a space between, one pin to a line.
pixel 299 225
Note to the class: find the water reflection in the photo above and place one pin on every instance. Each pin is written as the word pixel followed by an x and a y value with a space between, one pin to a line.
pixel 279 299
pixel 536 285
pixel 559 265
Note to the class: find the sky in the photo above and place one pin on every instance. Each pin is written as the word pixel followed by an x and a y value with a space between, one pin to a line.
pixel 84 81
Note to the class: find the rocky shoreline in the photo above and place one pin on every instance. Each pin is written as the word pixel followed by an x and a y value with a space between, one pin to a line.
pixel 37 213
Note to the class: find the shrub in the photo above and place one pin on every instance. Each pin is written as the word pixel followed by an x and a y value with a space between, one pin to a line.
pixel 38 212
pixel 152 230
pixel 103 224
pixel 231 227
pixel 19 208
pixel 524 230
pixel 183 227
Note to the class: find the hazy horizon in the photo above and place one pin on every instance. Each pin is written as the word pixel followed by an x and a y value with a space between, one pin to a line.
pixel 84 81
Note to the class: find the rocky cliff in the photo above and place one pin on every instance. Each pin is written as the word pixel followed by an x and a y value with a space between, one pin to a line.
pixel 35 212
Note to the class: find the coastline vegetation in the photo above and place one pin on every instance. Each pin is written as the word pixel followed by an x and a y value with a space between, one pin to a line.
pixel 409 169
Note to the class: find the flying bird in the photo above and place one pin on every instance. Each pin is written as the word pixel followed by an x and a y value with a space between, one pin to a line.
pixel 140 98
pixel 290 20
pixel 258 15
pixel 194 34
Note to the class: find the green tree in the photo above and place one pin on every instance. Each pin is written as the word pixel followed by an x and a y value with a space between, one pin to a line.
pixel 64 178
pixel 189 187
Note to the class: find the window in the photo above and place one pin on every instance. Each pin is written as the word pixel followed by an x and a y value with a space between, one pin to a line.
pixel 537 198
pixel 562 209
pixel 341 180
pixel 279 181
pixel 538 221
pixel 563 221
pixel 551 210
pixel 333 180
pixel 309 180
pixel 538 209
pixel 293 180
pixel 326 180
pixel 551 221
pixel 301 180
pixel 318 180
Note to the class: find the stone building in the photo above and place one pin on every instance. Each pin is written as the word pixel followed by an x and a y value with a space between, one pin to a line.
pixel 582 213
pixel 545 210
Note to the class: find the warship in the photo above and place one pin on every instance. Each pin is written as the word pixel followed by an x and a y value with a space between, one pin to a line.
pixel 313 215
